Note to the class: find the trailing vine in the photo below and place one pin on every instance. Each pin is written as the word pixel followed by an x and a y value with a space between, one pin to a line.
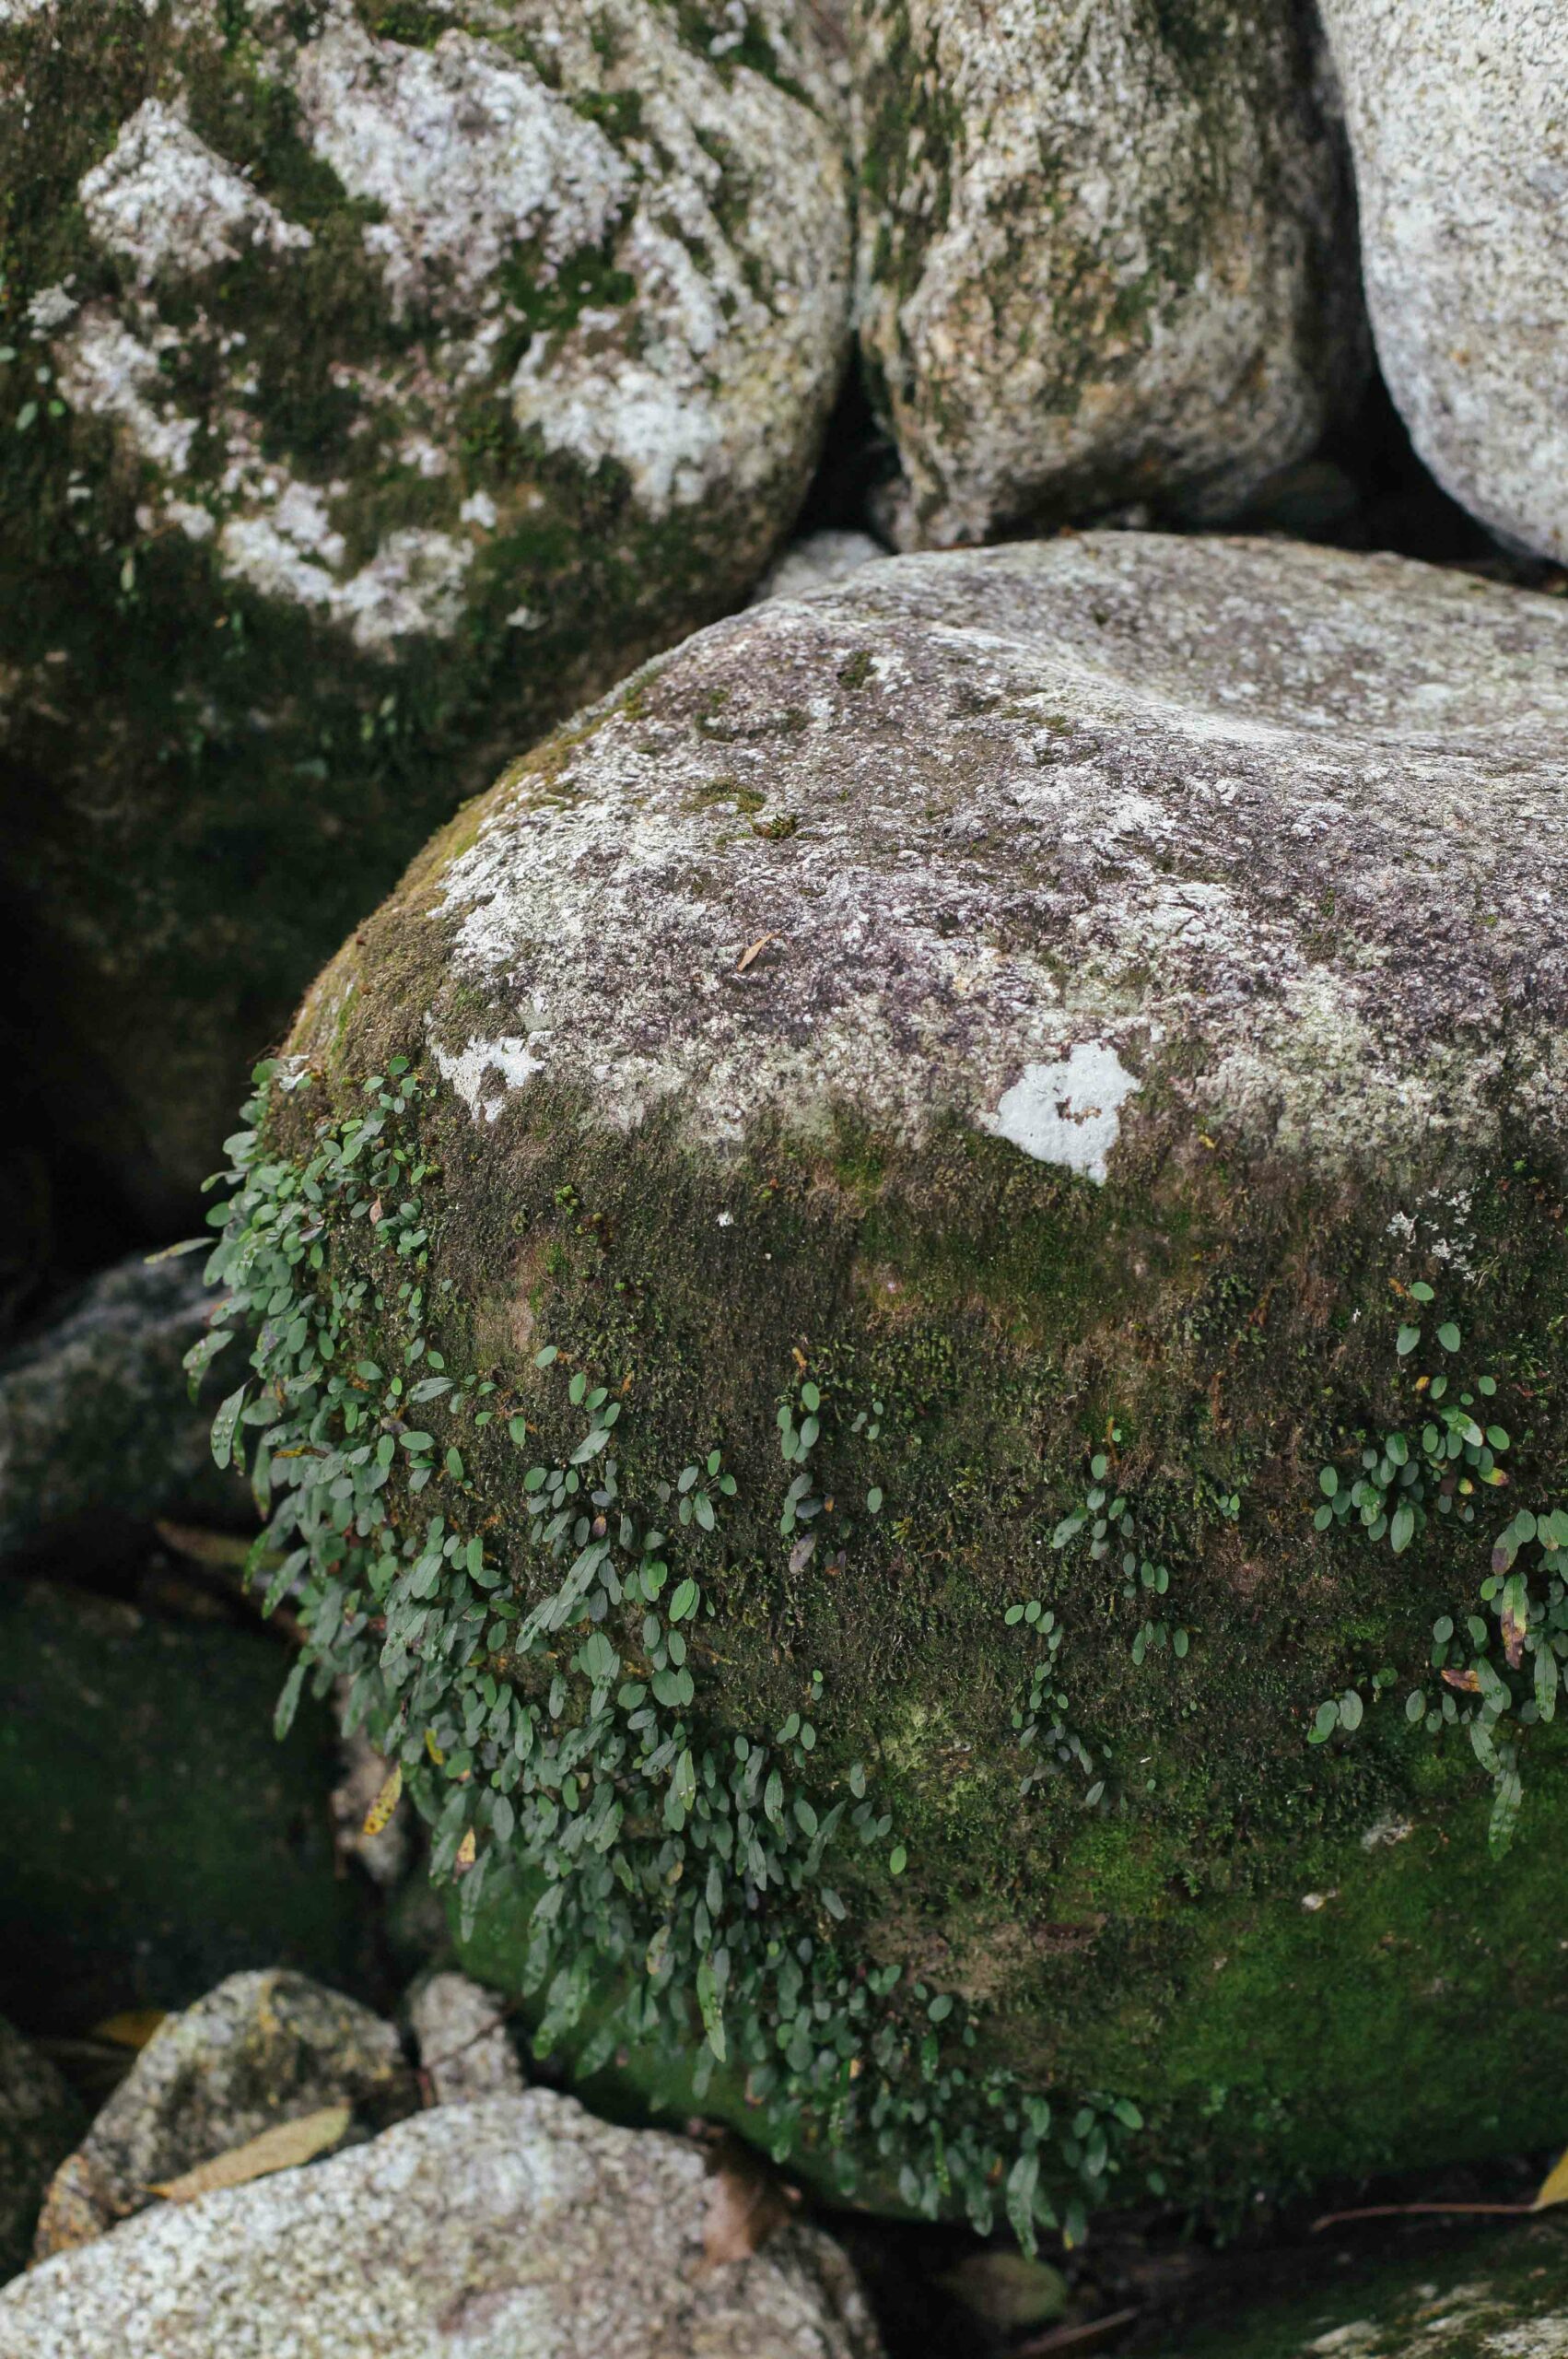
pixel 1497 1671
pixel 541 1698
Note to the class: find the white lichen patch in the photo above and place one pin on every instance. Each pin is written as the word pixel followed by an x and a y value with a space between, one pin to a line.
pixel 1069 1112
pixel 486 1070
pixel 466 153
pixel 412 588
pixel 107 372
pixel 163 202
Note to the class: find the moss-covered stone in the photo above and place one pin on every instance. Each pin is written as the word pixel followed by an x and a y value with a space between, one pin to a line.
pixel 156 1838
pixel 1503 2294
pixel 1106 255
pixel 953 1100
pixel 378 382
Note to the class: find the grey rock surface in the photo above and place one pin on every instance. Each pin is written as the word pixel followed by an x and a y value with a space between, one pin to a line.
pixel 40 2119
pixel 464 2050
pixel 1105 254
pixel 411 373
pixel 96 1426
pixel 1046 838
pixel 259 2049
pixel 516 2228
pixel 816 560
pixel 1460 140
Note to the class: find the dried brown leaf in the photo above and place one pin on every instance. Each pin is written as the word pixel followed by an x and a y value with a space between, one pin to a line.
pixel 282 2148
pixel 754 951
pixel 132 2029
pixel 1554 2187
pixel 1464 1680
pixel 746 2202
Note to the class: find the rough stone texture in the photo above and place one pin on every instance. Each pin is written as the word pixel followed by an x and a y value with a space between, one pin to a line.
pixel 464 2046
pixel 1460 142
pixel 156 1836
pixel 387 379
pixel 96 1426
pixel 1501 2296
pixel 815 560
pixel 1066 995
pixel 1105 255
pixel 259 2049
pixel 39 2119
pixel 518 2228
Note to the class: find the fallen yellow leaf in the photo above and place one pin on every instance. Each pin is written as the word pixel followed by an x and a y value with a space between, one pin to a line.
pixel 758 946
pixel 282 2148
pixel 386 1802
pixel 132 2028
pixel 1554 2187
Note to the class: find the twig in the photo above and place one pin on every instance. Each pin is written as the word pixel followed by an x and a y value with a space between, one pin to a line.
pixel 1399 2210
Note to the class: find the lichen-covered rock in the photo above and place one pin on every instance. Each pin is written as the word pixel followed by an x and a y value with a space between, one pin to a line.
pixel 97 1429
pixel 261 2050
pixel 816 560
pixel 516 2228
pixel 1105 254
pixel 1500 2297
pixel 464 2051
pixel 929 1147
pixel 39 2119
pixel 156 1838
pixel 1460 144
pixel 382 379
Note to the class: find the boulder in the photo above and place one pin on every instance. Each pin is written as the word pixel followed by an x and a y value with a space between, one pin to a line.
pixel 98 1431
pixel 515 2228
pixel 464 2050
pixel 1461 167
pixel 893 1295
pixel 39 2120
pixel 261 2050
pixel 378 381
pixel 815 559
pixel 155 1837
pixel 1105 254
pixel 1486 2297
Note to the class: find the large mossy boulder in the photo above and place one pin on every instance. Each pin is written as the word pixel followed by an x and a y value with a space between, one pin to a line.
pixel 377 381
pixel 902 1292
pixel 1105 254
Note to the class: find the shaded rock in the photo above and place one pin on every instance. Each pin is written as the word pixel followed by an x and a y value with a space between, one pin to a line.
pixel 514 2228
pixel 937 1101
pixel 259 2049
pixel 1106 253
pixel 1504 2294
pixel 1461 166
pixel 97 1430
pixel 464 2046
pixel 155 1838
pixel 39 2119
pixel 406 375
pixel 818 559
pixel 384 1854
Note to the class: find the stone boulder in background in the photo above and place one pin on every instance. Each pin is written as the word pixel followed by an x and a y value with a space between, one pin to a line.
pixel 261 2048
pixel 40 2118
pixel 1460 140
pixel 97 1430
pixel 1106 254
pixel 953 1112
pixel 378 381
pixel 517 2227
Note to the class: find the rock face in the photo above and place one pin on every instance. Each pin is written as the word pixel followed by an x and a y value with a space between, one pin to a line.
pixel 463 2048
pixel 259 2049
pixel 1461 165
pixel 39 2119
pixel 1499 2298
pixel 157 1839
pixel 518 2228
pixel 816 560
pixel 1105 254
pixel 930 1144
pixel 97 1427
pixel 385 379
